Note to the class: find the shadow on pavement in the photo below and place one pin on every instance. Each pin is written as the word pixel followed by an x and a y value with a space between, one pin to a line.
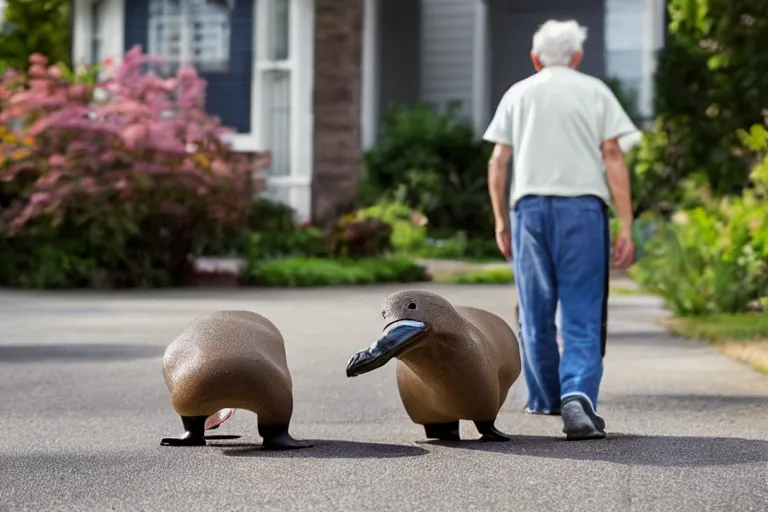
pixel 84 352
pixel 669 451
pixel 326 450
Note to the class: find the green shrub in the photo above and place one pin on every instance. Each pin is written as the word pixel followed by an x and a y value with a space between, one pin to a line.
pixel 31 27
pixel 490 276
pixel 115 191
pixel 268 215
pixel 357 238
pixel 408 226
pixel 459 247
pixel 302 272
pixel 714 258
pixel 431 162
pixel 307 242
pixel 711 81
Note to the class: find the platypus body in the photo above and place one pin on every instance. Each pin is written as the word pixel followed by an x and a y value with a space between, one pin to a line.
pixel 230 360
pixel 454 363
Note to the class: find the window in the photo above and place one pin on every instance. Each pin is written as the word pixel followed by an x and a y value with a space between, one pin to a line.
pixel 190 32
pixel 97 31
pixel 274 67
pixel 624 42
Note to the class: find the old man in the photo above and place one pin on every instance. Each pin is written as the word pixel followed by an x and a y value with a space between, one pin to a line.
pixel 561 129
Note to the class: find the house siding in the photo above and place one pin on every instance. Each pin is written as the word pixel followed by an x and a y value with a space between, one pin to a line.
pixel 337 102
pixel 447 53
pixel 228 94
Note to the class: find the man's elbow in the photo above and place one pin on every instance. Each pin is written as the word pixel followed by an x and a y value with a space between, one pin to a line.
pixel 499 159
pixel 612 151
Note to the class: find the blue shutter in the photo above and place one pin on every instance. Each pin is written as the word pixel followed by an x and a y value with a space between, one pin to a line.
pixel 228 94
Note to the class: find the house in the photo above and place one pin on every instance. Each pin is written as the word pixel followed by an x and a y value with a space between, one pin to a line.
pixel 310 80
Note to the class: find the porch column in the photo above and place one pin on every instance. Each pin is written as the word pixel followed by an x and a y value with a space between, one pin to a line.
pixel 338 156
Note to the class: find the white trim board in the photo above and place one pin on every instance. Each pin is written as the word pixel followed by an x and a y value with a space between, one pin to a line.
pixel 481 83
pixel 114 30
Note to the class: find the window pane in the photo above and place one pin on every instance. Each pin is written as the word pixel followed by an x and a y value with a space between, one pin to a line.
pixel 277 120
pixel 279 23
pixel 210 32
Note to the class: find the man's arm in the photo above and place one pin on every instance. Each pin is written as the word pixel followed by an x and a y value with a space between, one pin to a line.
pixel 497 185
pixel 617 175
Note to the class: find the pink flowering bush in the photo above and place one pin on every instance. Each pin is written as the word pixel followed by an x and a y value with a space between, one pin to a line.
pixel 114 181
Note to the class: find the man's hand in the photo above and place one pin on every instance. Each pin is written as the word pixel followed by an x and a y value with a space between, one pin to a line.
pixel 624 248
pixel 503 241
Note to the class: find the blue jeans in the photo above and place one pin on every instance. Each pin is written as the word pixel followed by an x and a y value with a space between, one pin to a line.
pixel 561 249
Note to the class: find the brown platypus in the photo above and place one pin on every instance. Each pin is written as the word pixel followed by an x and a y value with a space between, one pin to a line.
pixel 230 360
pixel 454 363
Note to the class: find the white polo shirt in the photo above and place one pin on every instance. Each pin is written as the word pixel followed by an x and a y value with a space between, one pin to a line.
pixel 556 121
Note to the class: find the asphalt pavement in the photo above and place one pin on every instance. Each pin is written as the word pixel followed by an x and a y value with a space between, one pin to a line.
pixel 83 407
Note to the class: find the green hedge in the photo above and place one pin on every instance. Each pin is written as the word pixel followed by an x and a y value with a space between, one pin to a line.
pixel 302 272
pixel 490 276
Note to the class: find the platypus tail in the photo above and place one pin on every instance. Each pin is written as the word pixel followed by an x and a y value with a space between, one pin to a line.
pixel 215 420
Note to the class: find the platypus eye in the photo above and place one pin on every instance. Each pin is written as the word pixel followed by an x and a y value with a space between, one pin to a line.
pixel 412 305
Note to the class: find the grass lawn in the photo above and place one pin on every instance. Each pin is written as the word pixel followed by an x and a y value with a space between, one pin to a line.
pixel 741 336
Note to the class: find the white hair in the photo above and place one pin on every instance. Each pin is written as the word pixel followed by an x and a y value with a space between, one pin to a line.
pixel 556 42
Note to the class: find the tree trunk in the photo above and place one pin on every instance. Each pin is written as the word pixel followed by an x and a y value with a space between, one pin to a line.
pixel 338 157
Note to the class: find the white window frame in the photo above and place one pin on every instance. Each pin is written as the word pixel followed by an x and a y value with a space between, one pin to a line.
pixel 215 17
pixel 112 31
pixel 300 63
pixel 97 39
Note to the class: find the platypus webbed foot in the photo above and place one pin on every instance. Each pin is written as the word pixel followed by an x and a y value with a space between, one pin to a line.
pixel 443 431
pixel 490 433
pixel 194 434
pixel 276 437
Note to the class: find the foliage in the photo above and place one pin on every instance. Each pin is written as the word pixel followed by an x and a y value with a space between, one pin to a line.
pixel 120 189
pixel 714 258
pixel 712 80
pixel 357 238
pixel 271 233
pixel 487 276
pixel 300 272
pixel 267 215
pixel 35 27
pixel 408 226
pixel 431 162
pixel 724 327
pixel 459 247
pixel 304 242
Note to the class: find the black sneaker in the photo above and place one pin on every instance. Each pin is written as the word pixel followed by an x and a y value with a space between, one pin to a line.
pixel 580 422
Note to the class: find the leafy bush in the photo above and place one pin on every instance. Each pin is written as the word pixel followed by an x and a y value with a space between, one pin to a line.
pixel 460 247
pixel 714 258
pixel 305 242
pixel 123 188
pixel 489 276
pixel 711 81
pixel 431 162
pixel 300 272
pixel 31 27
pixel 357 238
pixel 408 226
